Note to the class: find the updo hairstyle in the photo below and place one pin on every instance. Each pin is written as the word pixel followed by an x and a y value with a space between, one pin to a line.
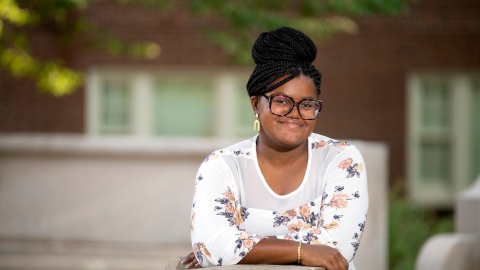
pixel 278 53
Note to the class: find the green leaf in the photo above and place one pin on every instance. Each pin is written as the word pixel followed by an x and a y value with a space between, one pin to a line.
pixel 10 11
pixel 58 80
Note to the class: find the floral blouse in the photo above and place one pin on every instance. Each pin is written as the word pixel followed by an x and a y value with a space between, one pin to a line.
pixel 234 208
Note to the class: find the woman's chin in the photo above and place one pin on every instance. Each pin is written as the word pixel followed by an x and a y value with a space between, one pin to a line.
pixel 292 138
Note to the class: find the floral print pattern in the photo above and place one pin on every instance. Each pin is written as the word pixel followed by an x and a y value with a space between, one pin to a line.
pixel 345 164
pixel 200 251
pixel 231 230
pixel 245 242
pixel 192 219
pixel 312 238
pixel 234 212
pixel 300 219
pixel 353 170
pixel 238 152
pixel 357 237
pixel 323 143
pixel 339 200
pixel 297 219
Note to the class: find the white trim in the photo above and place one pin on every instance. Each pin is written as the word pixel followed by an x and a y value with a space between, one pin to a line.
pixel 92 100
pixel 142 88
pixel 413 140
pixel 225 93
pixel 462 88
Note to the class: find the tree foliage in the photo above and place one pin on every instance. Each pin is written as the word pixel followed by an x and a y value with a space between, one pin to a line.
pixel 244 19
pixel 409 227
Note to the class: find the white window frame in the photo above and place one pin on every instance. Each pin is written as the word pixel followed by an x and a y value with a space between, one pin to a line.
pixel 431 193
pixel 143 82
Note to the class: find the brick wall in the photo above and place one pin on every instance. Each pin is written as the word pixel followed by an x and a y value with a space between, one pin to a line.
pixel 364 75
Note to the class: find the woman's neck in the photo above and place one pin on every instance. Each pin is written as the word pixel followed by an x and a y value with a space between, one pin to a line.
pixel 280 155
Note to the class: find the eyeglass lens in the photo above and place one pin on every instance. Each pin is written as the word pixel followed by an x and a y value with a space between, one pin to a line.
pixel 281 105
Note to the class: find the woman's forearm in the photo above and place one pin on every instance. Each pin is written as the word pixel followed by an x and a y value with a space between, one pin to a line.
pixel 278 251
pixel 272 251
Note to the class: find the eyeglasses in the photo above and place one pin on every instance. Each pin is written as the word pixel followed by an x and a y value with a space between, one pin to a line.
pixel 281 105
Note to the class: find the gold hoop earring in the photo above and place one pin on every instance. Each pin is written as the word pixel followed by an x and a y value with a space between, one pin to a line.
pixel 256 124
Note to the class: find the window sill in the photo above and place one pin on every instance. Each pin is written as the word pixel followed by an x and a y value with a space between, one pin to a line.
pixel 110 145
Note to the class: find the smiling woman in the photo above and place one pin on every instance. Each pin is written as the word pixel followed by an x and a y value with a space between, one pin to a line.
pixel 286 195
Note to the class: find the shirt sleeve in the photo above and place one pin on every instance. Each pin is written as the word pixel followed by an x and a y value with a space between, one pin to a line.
pixel 344 207
pixel 216 216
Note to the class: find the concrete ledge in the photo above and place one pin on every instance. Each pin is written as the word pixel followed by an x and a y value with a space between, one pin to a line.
pixel 467 208
pixel 82 255
pixel 111 145
pixel 88 248
pixel 174 264
pixel 448 251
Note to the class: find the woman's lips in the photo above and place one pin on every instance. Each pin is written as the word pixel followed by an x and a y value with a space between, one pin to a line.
pixel 292 123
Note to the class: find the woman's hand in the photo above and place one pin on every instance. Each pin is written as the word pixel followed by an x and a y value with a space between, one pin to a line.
pixel 190 261
pixel 322 255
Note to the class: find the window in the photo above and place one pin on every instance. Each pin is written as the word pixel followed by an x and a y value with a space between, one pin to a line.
pixel 476 130
pixel 115 110
pixel 166 103
pixel 183 108
pixel 443 136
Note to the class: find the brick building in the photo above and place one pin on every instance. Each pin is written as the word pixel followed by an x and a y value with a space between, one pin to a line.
pixel 409 80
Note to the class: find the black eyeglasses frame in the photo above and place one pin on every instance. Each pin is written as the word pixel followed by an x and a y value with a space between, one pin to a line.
pixel 295 104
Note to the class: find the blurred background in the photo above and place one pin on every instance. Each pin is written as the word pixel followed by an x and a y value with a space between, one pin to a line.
pixel 108 107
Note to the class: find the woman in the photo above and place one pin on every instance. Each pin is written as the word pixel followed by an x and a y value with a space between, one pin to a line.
pixel 287 195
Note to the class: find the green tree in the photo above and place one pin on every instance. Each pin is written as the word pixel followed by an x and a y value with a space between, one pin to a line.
pixel 244 19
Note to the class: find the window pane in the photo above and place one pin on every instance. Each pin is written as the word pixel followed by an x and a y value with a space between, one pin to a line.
pixel 476 130
pixel 183 108
pixel 245 115
pixel 115 108
pixel 435 110
pixel 434 163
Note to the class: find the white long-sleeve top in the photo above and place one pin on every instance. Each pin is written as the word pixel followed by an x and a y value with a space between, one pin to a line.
pixel 234 208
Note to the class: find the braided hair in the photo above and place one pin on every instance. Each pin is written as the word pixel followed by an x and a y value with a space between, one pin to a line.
pixel 284 52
